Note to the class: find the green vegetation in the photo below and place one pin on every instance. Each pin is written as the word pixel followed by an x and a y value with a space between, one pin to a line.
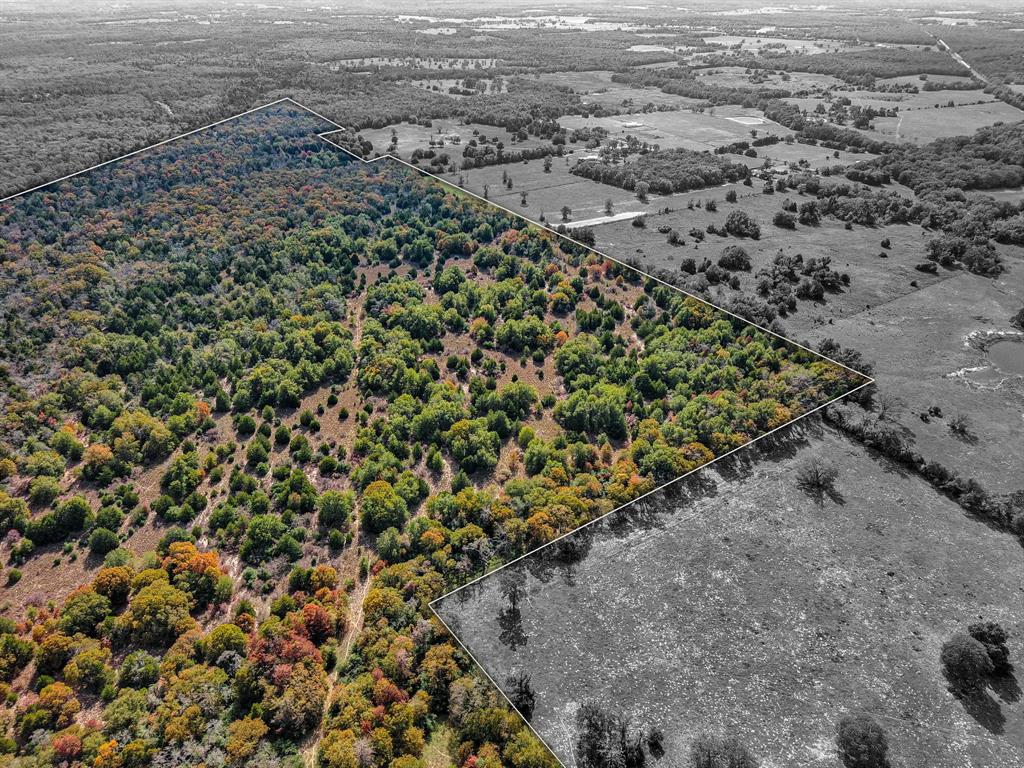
pixel 209 325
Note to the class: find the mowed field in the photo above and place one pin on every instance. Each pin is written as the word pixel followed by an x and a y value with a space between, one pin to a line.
pixel 412 136
pixel 751 608
pixel 926 115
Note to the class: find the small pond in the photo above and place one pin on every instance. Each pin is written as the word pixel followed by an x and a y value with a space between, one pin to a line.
pixel 1008 356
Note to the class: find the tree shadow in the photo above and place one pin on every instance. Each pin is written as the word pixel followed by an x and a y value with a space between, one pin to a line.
pixel 512 634
pixel 1006 687
pixel 983 708
pixel 510 618
pixel 964 436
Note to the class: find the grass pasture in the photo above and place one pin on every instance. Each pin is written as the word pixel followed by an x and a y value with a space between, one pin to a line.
pixel 924 125
pixel 596 86
pixel 547 192
pixel 691 130
pixel 921 356
pixel 874 280
pixel 748 606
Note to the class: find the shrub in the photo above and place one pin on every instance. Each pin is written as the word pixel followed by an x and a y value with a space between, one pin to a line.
pixel 720 751
pixel 733 257
pixel 965 662
pixel 861 742
pixel 784 220
pixel 739 224
pixel 43 490
pixel 103 540
pixel 67 445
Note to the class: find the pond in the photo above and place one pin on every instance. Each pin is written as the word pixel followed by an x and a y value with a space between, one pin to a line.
pixel 1008 356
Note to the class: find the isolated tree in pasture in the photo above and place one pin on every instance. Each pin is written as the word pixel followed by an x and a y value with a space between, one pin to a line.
pixel 960 425
pixel 993 637
pixel 816 475
pixel 966 663
pixel 862 742
pixel 708 751
pixel 739 224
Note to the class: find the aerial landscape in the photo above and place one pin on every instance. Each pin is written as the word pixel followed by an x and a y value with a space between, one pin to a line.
pixel 390 385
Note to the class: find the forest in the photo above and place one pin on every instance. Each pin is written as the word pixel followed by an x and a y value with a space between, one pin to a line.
pixel 857 67
pixel 664 171
pixel 275 401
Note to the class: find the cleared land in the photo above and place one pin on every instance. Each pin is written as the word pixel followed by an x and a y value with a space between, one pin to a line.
pixel 750 607
pixel 929 348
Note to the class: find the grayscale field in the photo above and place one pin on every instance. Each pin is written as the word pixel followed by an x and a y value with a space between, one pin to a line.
pixel 742 604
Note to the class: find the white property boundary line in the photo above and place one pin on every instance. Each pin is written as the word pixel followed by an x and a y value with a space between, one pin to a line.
pixel 324 137
pixel 620 508
pixel 337 127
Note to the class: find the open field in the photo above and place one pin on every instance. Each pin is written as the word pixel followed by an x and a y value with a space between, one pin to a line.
pixel 692 130
pixel 789 44
pixel 873 280
pixel 598 88
pixel 928 347
pixel 923 125
pixel 415 136
pixel 749 607
pixel 738 77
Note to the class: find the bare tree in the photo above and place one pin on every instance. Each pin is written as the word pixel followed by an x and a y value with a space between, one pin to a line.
pixel 816 475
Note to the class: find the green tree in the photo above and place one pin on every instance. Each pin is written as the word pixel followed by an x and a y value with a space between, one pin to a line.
pixel 335 508
pixel 83 611
pixel 138 670
pixel 261 538
pixel 225 638
pixel 383 507
pixel 157 615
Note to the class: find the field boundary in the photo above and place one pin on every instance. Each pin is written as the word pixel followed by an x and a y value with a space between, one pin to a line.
pixel 324 136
